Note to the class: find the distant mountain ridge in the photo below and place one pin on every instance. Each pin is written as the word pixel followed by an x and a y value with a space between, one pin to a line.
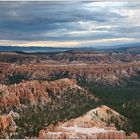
pixel 31 49
pixel 133 47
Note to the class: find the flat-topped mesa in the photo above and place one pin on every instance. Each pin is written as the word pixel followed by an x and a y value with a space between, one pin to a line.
pixel 92 125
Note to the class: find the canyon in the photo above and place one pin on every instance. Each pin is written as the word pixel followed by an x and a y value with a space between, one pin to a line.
pixel 71 94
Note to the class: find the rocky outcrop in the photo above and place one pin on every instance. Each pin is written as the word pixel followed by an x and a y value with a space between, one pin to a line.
pixel 101 68
pixel 101 74
pixel 111 56
pixel 90 126
pixel 35 93
pixel 29 87
pixel 73 135
pixel 18 58
pixel 39 102
pixel 95 57
pixel 8 125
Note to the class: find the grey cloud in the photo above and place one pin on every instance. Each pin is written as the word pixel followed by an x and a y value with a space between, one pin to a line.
pixel 37 20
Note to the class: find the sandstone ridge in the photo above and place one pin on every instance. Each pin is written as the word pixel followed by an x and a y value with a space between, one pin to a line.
pixel 92 125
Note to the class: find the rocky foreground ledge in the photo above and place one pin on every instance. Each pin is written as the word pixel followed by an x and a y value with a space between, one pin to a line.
pixel 93 125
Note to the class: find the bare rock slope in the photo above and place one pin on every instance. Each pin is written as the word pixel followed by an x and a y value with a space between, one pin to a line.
pixel 42 102
pixel 92 125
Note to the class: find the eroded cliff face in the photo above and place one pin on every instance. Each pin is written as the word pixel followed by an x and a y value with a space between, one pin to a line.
pixel 96 57
pixel 102 68
pixel 38 93
pixel 47 101
pixel 28 88
pixel 18 58
pixel 28 106
pixel 7 124
pixel 90 57
pixel 100 74
pixel 92 125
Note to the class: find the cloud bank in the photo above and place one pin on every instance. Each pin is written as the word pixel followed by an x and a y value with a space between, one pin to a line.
pixel 69 24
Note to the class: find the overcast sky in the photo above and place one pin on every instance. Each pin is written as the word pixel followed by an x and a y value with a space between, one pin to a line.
pixel 69 24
